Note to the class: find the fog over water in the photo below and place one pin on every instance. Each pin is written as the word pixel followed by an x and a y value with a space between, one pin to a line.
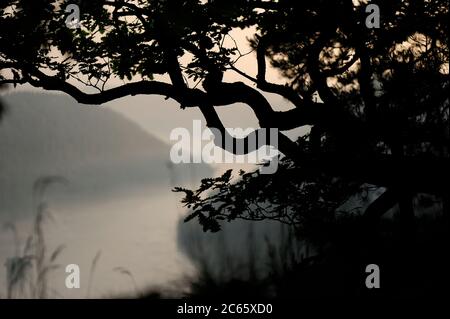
pixel 113 195
pixel 111 198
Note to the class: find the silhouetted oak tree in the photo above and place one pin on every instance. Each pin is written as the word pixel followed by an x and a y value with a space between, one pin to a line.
pixel 375 98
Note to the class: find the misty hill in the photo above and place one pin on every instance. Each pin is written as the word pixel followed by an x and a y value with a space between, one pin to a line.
pixel 100 152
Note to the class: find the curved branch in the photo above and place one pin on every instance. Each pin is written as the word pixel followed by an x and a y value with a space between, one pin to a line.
pixel 190 97
pixel 186 96
pixel 251 142
pixel 238 92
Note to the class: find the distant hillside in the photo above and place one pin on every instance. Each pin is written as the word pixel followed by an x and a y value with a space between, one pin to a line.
pixel 99 151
